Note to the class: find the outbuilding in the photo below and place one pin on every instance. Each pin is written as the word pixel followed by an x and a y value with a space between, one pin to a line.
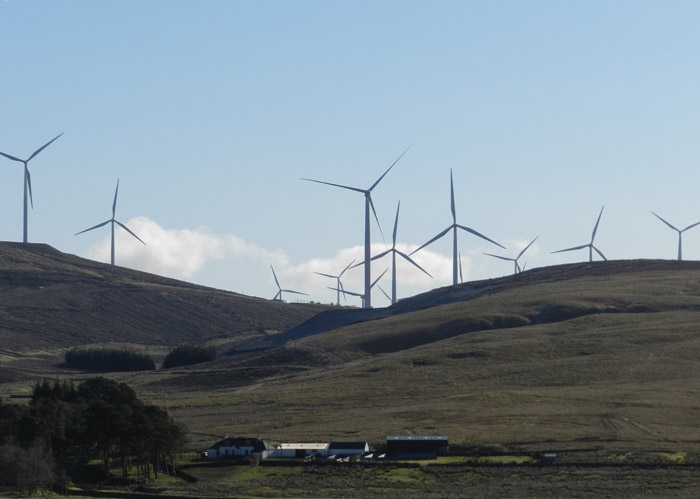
pixel 301 449
pixel 348 448
pixel 416 446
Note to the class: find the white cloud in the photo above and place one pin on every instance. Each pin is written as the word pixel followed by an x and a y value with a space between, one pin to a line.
pixel 226 261
pixel 179 253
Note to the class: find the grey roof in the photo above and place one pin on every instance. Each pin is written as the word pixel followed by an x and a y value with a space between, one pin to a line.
pixel 417 438
pixel 254 442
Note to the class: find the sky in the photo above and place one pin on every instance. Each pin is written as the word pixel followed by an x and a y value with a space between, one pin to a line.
pixel 210 113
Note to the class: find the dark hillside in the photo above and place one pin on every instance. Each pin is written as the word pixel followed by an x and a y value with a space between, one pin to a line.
pixel 50 300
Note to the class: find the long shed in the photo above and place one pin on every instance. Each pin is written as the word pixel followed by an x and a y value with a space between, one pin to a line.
pixel 416 446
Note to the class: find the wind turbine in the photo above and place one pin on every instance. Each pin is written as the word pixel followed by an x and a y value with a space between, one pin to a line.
pixel 680 233
pixel 589 245
pixel 517 268
pixel 339 284
pixel 113 221
pixel 28 180
pixel 454 227
pixel 278 296
pixel 395 252
pixel 367 302
pixel 362 295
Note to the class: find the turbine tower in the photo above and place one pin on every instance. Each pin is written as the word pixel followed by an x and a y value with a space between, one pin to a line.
pixel 28 180
pixel 367 302
pixel 278 296
pixel 589 245
pixel 680 234
pixel 517 268
pixel 454 227
pixel 395 252
pixel 339 284
pixel 362 295
pixel 113 221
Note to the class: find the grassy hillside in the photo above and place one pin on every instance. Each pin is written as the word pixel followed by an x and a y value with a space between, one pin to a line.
pixel 603 355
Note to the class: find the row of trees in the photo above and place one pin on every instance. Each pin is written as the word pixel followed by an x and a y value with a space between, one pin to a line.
pixel 69 425
pixel 120 360
pixel 108 360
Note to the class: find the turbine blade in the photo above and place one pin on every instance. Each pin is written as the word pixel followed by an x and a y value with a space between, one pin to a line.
pixel 599 252
pixel 326 275
pixel 387 171
pixel 44 146
pixel 346 292
pixel 278 295
pixel 384 253
pixel 377 279
pixel 472 231
pixel 29 183
pixel 295 292
pixel 114 203
pixel 526 247
pixel 664 221
pixel 501 257
pixel 336 185
pixel 275 276
pixel 384 292
pixel 452 199
pixel 94 227
pixel 346 268
pixel 129 231
pixel 396 223
pixel 690 226
pixel 12 157
pixel 371 204
pixel 433 239
pixel 410 260
pixel 572 249
pixel 595 229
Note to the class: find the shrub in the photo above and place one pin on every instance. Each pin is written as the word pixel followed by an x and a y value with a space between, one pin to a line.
pixel 108 360
pixel 184 355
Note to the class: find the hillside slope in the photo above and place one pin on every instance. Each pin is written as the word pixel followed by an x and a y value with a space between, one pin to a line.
pixel 51 300
pixel 602 355
pixel 591 355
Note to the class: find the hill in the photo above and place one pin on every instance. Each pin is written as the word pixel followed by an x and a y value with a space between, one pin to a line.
pixel 50 300
pixel 594 355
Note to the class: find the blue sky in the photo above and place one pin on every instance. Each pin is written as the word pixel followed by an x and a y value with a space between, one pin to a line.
pixel 211 112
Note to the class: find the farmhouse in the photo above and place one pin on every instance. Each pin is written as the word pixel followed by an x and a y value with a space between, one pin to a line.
pixel 416 446
pixel 300 450
pixel 239 446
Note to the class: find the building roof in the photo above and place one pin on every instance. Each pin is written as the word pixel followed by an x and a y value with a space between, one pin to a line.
pixel 239 442
pixel 417 438
pixel 348 445
pixel 304 446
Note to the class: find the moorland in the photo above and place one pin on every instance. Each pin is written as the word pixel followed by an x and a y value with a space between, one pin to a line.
pixel 597 362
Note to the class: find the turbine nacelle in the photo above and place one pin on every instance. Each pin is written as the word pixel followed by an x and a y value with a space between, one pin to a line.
pixel 28 181
pixel 590 246
pixel 455 254
pixel 369 206
pixel 113 221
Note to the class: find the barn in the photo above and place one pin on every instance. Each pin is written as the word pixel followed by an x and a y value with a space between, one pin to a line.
pixel 416 446
pixel 348 448
pixel 239 446
pixel 302 449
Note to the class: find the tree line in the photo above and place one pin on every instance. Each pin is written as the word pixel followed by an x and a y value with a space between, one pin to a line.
pixel 119 360
pixel 64 426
